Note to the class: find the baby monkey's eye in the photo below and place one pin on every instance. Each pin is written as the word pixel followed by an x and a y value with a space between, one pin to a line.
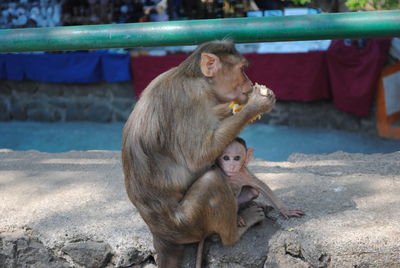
pixel 226 158
pixel 236 158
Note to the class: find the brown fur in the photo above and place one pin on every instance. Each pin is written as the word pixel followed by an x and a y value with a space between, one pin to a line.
pixel 170 143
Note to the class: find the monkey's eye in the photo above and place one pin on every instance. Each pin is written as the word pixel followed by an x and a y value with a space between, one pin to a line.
pixel 236 158
pixel 226 158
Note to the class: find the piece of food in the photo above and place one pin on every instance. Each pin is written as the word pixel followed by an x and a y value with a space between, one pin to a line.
pixel 264 91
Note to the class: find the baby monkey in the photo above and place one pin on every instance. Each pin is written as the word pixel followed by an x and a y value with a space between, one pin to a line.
pixel 245 185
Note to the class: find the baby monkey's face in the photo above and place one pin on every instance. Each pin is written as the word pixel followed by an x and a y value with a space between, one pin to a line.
pixel 233 158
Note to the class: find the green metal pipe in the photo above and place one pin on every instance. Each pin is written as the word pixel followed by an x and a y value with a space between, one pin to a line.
pixel 241 30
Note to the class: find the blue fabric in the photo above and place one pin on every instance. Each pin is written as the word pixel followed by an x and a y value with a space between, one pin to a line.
pixel 73 67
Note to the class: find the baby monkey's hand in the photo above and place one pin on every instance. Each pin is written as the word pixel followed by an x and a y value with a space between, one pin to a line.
pixel 291 212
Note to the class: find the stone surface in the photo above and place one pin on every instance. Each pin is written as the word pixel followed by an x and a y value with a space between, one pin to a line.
pixel 250 251
pixel 71 210
pixel 110 102
pixel 38 101
pixel 20 250
pixel 88 253
pixel 320 114
pixel 4 108
pixel 99 111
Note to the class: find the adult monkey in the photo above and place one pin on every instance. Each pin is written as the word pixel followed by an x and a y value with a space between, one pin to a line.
pixel 178 128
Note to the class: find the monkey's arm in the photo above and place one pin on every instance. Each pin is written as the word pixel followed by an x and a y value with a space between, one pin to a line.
pixel 269 194
pixel 222 111
pixel 217 139
pixel 263 188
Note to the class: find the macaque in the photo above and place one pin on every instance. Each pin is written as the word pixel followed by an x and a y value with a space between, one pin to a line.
pixel 247 187
pixel 171 140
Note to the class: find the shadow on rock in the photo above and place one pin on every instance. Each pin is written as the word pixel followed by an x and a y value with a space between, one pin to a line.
pixel 250 251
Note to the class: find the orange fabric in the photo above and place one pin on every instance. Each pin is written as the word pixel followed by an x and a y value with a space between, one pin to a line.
pixel 384 122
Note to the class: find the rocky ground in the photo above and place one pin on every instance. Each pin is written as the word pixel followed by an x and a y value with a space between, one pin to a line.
pixel 71 210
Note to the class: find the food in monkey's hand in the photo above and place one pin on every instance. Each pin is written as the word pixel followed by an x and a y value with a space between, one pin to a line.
pixel 264 91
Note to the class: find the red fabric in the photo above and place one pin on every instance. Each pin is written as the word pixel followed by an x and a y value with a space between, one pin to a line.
pixel 354 74
pixel 146 68
pixel 298 76
pixel 295 76
pixel 347 74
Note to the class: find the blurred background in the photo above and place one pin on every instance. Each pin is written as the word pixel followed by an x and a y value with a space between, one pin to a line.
pixel 332 94
pixel 49 13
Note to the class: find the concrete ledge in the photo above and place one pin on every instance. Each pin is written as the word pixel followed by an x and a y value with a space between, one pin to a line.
pixel 71 210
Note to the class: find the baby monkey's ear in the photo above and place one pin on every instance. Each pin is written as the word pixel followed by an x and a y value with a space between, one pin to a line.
pixel 249 156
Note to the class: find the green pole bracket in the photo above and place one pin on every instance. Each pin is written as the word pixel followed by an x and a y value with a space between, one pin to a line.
pixel 191 32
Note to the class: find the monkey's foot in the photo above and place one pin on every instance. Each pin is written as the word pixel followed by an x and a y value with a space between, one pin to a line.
pixel 267 209
pixel 251 215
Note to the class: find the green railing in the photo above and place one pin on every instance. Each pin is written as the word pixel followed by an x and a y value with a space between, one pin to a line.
pixel 241 30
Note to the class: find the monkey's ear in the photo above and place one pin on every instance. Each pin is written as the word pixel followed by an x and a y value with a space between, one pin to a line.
pixel 209 64
pixel 249 156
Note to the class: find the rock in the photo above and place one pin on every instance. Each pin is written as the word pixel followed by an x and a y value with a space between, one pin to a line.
pixel 122 89
pixel 98 111
pixel 120 116
pixel 38 109
pixel 75 109
pixel 20 250
pixel 18 112
pixel 4 109
pixel 59 102
pixel 70 201
pixel 123 104
pixel 59 115
pixel 133 256
pixel 250 251
pixel 318 114
pixel 88 253
pixel 288 253
pixel 150 266
pixel 104 102
pixel 69 102
pixel 40 115
pixel 5 87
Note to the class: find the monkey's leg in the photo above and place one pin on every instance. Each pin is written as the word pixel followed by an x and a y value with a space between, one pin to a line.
pixel 168 254
pixel 210 205
pixel 246 195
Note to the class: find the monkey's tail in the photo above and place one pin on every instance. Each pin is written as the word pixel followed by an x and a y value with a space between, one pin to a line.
pixel 199 256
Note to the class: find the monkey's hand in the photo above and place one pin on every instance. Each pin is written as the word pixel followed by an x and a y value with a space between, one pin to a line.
pixel 261 101
pixel 222 111
pixel 291 212
pixel 240 222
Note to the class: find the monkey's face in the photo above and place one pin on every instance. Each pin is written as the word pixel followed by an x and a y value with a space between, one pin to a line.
pixel 233 158
pixel 232 84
